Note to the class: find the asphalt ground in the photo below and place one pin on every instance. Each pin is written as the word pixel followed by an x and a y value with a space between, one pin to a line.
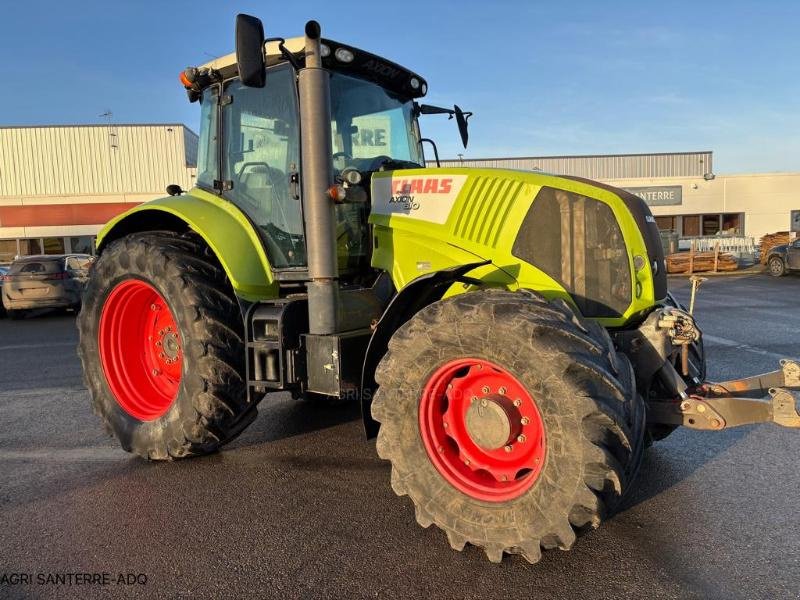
pixel 300 506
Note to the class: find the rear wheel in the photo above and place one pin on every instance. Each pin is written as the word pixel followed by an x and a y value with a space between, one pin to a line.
pixel 511 423
pixel 161 347
pixel 777 268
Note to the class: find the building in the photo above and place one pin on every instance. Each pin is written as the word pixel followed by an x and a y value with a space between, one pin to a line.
pixel 682 190
pixel 60 184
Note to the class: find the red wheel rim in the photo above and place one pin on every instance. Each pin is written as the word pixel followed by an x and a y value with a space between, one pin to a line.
pixel 140 350
pixel 482 430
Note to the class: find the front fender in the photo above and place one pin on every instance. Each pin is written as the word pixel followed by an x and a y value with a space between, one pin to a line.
pixel 226 230
pixel 418 294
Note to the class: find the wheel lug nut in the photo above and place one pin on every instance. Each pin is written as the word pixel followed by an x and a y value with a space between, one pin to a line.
pixel 502 391
pixel 485 389
pixel 504 478
pixel 155 372
pixel 508 448
pixel 440 449
pixel 466 461
pixel 473 399
pixel 158 343
pixel 154 307
pixel 525 420
pixel 521 438
pixel 517 402
pixel 484 402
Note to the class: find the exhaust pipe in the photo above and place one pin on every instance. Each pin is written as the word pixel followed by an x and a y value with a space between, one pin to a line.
pixel 318 208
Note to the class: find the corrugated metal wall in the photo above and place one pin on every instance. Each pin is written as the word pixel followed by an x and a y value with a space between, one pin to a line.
pixel 96 159
pixel 621 166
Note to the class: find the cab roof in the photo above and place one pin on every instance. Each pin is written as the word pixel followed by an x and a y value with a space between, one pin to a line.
pixel 364 65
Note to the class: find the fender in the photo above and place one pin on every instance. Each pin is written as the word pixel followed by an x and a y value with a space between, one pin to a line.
pixel 225 228
pixel 418 294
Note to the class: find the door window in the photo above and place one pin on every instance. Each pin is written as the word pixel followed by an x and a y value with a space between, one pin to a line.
pixel 261 139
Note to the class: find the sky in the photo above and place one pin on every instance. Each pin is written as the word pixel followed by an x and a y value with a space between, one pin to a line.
pixel 542 78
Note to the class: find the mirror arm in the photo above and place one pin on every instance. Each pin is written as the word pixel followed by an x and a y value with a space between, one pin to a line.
pixel 291 58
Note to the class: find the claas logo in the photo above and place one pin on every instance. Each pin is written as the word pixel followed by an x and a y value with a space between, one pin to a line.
pixel 407 187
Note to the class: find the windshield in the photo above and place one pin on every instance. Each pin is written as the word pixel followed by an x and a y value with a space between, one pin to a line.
pixel 371 125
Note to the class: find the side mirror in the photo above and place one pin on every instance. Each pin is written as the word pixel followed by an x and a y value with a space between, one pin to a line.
pixel 250 51
pixel 461 121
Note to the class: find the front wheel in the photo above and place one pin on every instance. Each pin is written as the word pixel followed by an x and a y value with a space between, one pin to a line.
pixel 777 268
pixel 511 423
pixel 161 347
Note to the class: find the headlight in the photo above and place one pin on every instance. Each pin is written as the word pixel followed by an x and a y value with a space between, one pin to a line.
pixel 344 55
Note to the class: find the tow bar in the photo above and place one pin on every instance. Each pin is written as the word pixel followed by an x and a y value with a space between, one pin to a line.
pixel 717 406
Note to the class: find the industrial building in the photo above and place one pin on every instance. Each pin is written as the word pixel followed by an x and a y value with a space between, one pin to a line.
pixel 60 184
pixel 682 190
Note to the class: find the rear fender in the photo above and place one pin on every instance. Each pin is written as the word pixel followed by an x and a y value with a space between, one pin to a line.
pixel 418 294
pixel 227 231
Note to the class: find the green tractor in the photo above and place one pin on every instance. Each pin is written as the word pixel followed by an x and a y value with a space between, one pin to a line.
pixel 509 334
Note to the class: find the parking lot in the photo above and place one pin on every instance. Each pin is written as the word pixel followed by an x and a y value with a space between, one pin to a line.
pixel 300 505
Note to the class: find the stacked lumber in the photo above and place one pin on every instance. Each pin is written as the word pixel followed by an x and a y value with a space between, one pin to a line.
pixel 769 241
pixel 681 262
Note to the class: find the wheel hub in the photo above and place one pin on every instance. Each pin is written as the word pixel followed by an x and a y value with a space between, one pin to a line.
pixel 169 345
pixel 493 422
pixel 482 429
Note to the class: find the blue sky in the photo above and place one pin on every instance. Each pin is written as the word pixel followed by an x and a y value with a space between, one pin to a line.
pixel 543 78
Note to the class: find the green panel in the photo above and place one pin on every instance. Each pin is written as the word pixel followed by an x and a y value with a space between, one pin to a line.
pixel 226 231
pixel 483 222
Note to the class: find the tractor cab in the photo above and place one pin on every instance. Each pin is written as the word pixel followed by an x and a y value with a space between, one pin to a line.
pixel 250 151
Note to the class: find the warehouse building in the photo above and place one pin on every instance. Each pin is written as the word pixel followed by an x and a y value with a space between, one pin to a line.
pixel 60 184
pixel 682 190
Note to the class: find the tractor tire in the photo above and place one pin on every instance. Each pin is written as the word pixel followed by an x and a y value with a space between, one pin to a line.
pixel 777 268
pixel 510 422
pixel 161 343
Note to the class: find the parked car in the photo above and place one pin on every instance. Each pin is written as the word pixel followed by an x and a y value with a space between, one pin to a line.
pixel 52 281
pixel 783 259
pixel 3 271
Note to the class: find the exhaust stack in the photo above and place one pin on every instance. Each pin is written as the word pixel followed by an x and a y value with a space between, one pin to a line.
pixel 318 207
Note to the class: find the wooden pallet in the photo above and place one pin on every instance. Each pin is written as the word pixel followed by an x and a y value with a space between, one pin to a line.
pixel 701 262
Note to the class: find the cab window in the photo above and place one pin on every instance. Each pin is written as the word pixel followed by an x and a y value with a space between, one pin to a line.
pixel 260 154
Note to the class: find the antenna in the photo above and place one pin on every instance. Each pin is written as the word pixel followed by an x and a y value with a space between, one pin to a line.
pixel 112 130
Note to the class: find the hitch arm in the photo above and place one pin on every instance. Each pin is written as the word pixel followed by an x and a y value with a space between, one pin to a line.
pixel 713 406
pixel 787 377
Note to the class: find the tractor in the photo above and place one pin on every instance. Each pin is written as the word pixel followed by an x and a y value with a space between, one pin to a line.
pixel 509 335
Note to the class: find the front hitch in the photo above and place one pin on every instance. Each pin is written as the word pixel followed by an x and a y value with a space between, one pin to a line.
pixel 717 406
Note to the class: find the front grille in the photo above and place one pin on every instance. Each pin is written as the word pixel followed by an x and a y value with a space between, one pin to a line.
pixel 577 241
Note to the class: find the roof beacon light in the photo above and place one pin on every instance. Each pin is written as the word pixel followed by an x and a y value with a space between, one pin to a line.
pixel 344 55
